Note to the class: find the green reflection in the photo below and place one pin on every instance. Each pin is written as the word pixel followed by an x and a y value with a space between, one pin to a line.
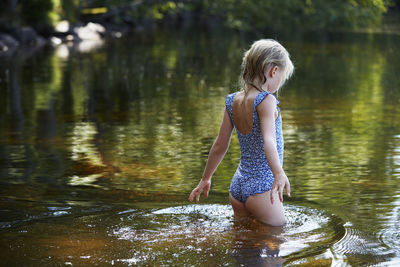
pixel 133 121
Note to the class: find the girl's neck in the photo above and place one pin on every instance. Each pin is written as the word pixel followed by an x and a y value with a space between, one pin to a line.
pixel 252 89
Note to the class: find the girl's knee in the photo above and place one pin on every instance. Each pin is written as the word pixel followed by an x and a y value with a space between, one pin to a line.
pixel 273 221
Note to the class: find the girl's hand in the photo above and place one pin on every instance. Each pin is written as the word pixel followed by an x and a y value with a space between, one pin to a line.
pixel 281 181
pixel 203 186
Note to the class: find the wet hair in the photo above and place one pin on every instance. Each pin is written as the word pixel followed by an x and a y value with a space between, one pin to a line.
pixel 262 55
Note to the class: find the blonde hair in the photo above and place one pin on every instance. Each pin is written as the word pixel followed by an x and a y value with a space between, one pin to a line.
pixel 262 55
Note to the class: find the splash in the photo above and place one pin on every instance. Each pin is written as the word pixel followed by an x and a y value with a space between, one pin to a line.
pixel 209 234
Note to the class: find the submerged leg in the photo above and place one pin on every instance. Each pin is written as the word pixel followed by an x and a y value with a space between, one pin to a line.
pixel 261 208
pixel 239 209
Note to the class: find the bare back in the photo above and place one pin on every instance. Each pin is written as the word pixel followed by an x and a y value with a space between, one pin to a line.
pixel 242 110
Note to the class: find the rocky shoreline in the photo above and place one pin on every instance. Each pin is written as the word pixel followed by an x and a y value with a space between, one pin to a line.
pixel 64 33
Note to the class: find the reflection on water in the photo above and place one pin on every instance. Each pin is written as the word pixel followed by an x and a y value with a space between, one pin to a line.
pixel 390 236
pixel 83 151
pixel 181 235
pixel 101 148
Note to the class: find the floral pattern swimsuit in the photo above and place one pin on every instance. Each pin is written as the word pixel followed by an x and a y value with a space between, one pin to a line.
pixel 253 175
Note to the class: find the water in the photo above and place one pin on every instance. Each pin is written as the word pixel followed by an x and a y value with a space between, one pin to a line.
pixel 101 144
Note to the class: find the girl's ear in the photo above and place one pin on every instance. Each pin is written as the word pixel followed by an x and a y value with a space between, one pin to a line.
pixel 273 71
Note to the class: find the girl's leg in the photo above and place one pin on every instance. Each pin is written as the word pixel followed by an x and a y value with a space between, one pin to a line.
pixel 239 208
pixel 261 208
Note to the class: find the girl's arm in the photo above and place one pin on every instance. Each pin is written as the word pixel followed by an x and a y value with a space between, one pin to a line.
pixel 217 153
pixel 266 110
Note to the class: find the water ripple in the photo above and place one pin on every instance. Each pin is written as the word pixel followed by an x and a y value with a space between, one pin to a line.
pixel 196 230
pixel 390 236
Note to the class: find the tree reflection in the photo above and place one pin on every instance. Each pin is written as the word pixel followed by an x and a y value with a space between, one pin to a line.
pixel 141 113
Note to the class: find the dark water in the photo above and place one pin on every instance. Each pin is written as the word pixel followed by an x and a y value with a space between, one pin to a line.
pixel 101 144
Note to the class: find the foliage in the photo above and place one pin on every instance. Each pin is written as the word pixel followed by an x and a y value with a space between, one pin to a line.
pixel 306 14
pixel 239 14
pixel 38 13
pixel 70 10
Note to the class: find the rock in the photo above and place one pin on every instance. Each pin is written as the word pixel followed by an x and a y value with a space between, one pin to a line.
pixel 63 27
pixel 8 41
pixel 3 47
pixel 69 38
pixel 40 41
pixel 92 31
pixel 55 40
pixel 7 45
pixel 26 35
pixel 64 31
pixel 96 27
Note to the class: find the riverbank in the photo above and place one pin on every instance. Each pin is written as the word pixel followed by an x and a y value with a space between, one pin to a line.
pixel 26 38
pixel 91 30
pixel 85 35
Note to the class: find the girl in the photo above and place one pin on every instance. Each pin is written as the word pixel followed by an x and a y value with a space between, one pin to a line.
pixel 259 179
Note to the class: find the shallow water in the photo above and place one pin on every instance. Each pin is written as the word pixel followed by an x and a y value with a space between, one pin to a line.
pixel 101 144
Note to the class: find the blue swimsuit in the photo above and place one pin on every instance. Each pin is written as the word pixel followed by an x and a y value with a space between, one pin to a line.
pixel 253 175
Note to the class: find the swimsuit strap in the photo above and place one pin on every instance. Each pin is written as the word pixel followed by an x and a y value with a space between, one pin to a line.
pixel 261 96
pixel 228 104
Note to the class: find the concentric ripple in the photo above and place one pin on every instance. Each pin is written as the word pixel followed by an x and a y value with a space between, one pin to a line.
pixel 390 236
pixel 208 234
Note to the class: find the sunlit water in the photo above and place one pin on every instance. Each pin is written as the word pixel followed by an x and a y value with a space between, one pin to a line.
pixel 101 144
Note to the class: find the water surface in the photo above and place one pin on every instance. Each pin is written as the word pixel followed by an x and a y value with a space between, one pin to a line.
pixel 101 144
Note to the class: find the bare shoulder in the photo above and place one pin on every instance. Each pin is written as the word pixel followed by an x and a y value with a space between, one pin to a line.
pixel 268 105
